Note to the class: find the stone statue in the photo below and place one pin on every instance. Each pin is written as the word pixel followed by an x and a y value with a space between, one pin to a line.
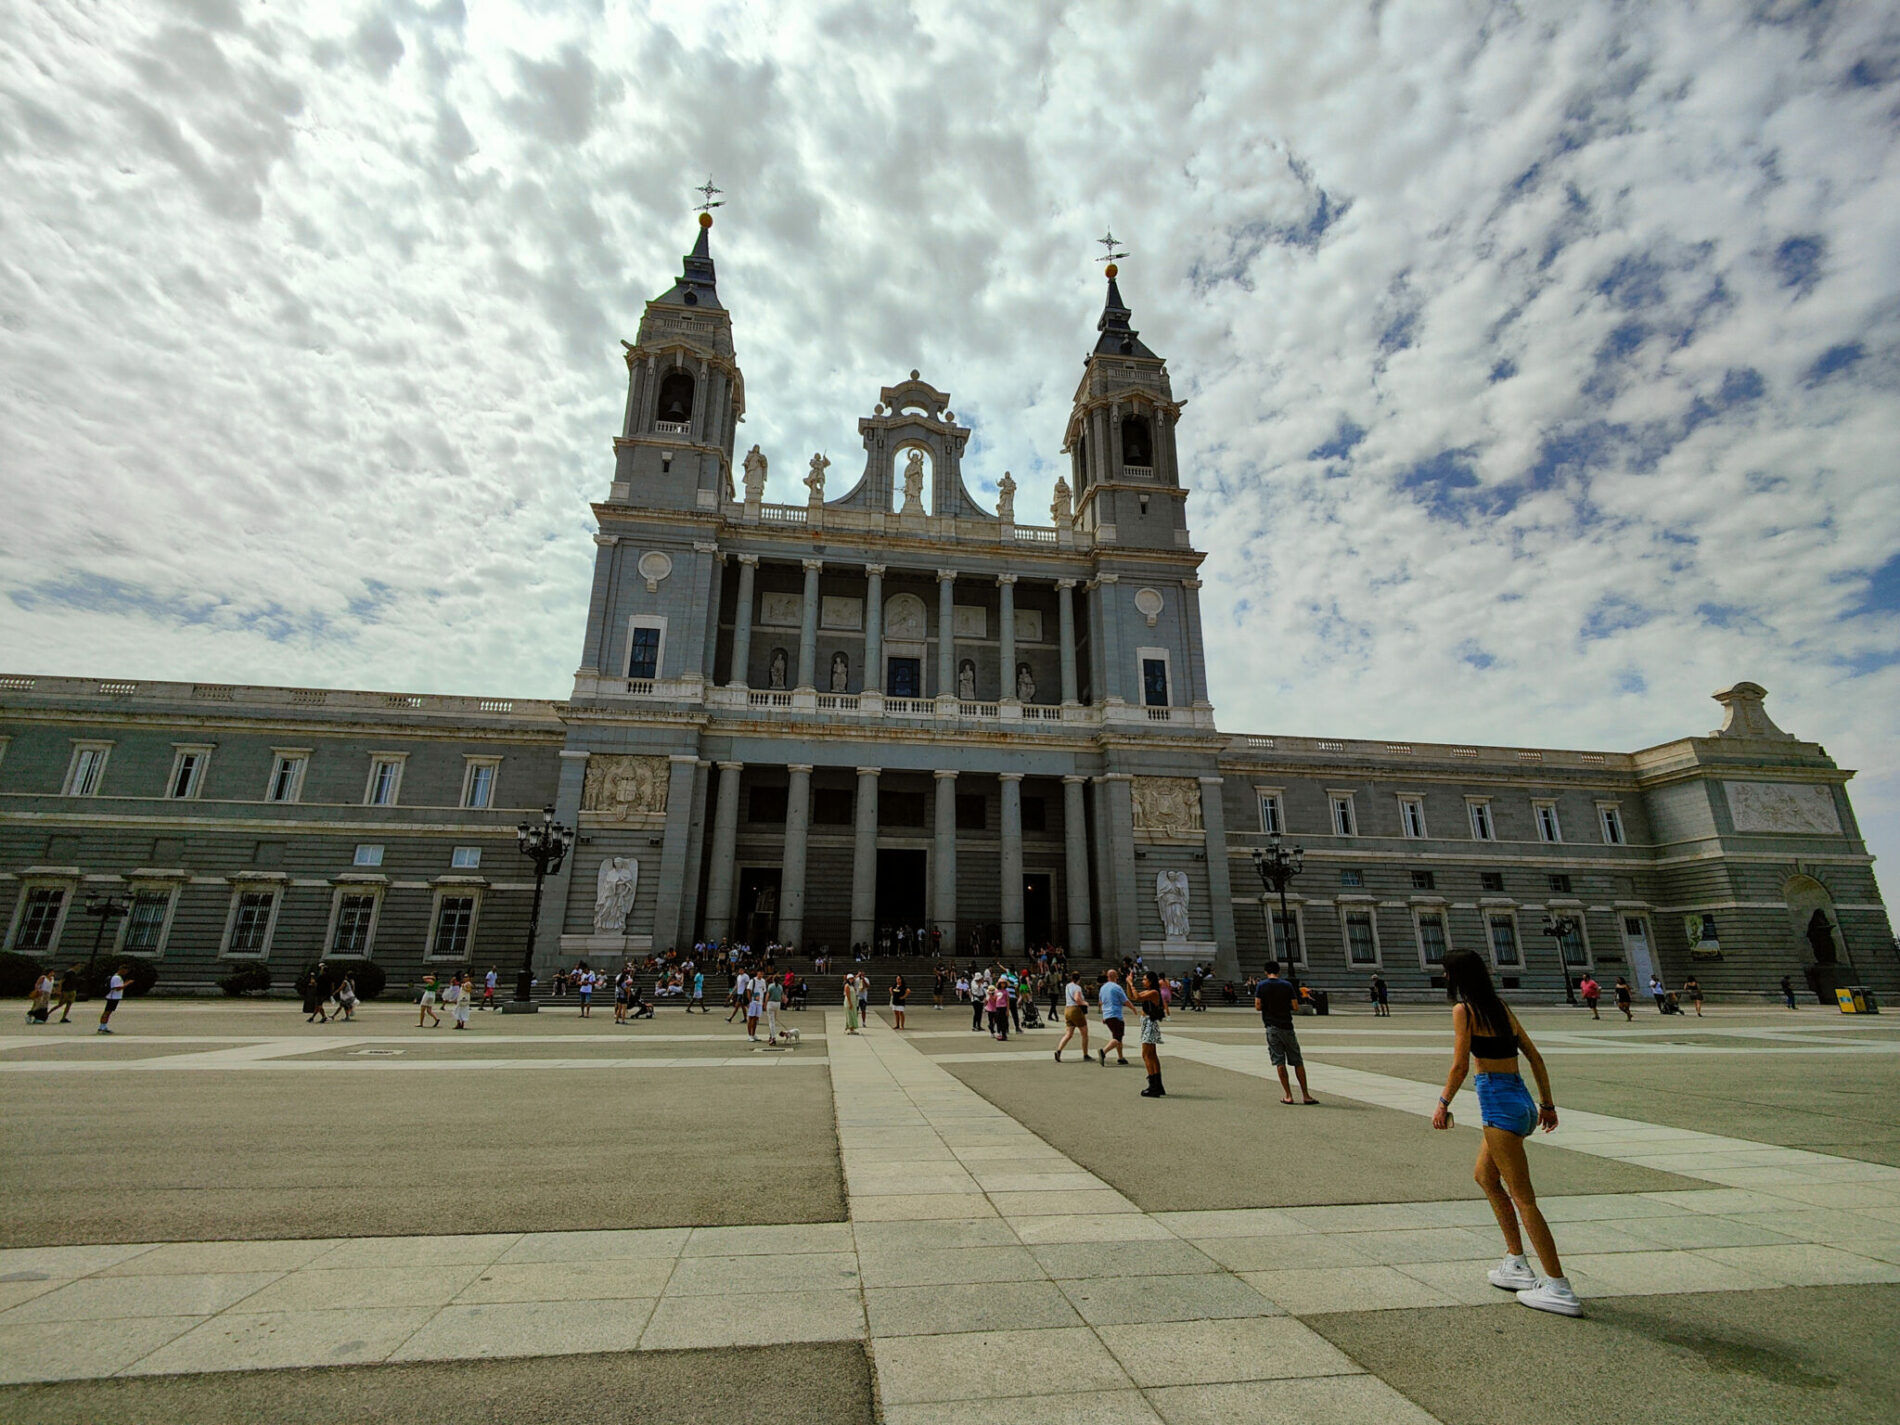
pixel 914 483
pixel 1025 684
pixel 775 676
pixel 620 785
pixel 840 673
pixel 966 681
pixel 1006 498
pixel 815 482
pixel 1059 508
pixel 1171 896
pixel 613 894
pixel 754 476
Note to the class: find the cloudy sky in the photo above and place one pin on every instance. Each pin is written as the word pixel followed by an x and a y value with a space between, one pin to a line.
pixel 1543 361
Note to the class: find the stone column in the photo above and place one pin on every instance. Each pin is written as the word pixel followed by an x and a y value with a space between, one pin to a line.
pixel 1108 636
pixel 1007 635
pixel 1196 655
pixel 1065 608
pixel 808 629
pixel 742 622
pixel 1124 880
pixel 599 653
pixel 872 680
pixel 791 891
pixel 556 890
pixel 672 882
pixel 1012 863
pixel 709 646
pixel 693 876
pixel 864 860
pixel 943 877
pixel 1220 889
pixel 946 635
pixel 1075 846
pixel 725 849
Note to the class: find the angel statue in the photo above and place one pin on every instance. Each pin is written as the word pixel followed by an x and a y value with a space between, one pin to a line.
pixel 815 482
pixel 1006 498
pixel 1171 897
pixel 1059 507
pixel 613 893
pixel 754 476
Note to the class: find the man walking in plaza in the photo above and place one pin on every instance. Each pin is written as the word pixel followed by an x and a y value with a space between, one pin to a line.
pixel 1114 1001
pixel 115 991
pixel 741 986
pixel 1274 998
pixel 1075 1015
pixel 489 981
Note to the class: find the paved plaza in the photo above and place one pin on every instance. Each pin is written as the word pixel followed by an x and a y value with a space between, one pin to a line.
pixel 225 1213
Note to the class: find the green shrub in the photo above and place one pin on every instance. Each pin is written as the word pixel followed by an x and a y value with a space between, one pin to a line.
pixel 249 979
pixel 139 976
pixel 17 974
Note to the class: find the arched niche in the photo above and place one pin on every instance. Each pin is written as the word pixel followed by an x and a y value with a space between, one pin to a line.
pixel 675 401
pixel 1814 927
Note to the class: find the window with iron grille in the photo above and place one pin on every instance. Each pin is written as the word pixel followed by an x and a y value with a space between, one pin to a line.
pixel 453 922
pixel 39 919
pixel 354 916
pixel 1491 880
pixel 1504 940
pixel 1431 938
pixel 145 922
pixel 250 928
pixel 1424 881
pixel 1361 947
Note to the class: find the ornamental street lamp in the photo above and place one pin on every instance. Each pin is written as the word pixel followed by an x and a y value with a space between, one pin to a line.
pixel 1558 929
pixel 1277 866
pixel 107 909
pixel 545 842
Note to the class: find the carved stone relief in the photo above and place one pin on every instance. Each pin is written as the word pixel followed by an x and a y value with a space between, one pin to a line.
pixel 783 610
pixel 1783 807
pixel 622 785
pixel 1168 806
pixel 971 621
pixel 904 617
pixel 1029 625
pixel 841 611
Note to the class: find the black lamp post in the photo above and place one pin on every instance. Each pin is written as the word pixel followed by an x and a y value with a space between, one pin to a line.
pixel 545 842
pixel 1277 866
pixel 107 909
pixel 1557 927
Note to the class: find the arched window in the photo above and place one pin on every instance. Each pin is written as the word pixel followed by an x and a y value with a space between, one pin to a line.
pixel 1138 446
pixel 676 399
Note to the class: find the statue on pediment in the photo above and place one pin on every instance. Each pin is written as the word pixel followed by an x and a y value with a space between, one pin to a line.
pixel 1060 508
pixel 1006 498
pixel 914 483
pixel 754 476
pixel 815 482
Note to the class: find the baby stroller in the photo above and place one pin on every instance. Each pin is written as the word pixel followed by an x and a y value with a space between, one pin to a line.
pixel 1031 1019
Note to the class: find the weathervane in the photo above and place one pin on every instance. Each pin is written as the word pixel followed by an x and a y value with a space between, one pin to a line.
pixel 706 191
pixel 1110 253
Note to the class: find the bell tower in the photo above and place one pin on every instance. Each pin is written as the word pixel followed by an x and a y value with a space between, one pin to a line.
pixel 1120 438
pixel 685 395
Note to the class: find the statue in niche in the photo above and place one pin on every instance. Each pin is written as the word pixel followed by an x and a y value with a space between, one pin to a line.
pixel 1006 498
pixel 1171 897
pixel 815 482
pixel 754 476
pixel 1821 939
pixel 1059 508
pixel 966 681
pixel 840 673
pixel 1025 684
pixel 775 674
pixel 914 483
pixel 613 894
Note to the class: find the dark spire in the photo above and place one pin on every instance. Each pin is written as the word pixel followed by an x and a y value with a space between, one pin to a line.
pixel 695 287
pixel 1118 338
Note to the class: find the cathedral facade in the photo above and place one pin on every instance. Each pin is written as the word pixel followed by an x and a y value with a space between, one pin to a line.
pixel 890 713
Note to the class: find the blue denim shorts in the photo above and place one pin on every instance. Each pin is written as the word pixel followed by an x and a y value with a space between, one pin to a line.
pixel 1504 1102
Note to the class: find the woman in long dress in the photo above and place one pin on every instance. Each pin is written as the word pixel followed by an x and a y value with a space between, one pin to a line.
pixel 850 1004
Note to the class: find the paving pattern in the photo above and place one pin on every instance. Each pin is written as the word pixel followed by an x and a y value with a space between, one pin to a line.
pixel 991 1275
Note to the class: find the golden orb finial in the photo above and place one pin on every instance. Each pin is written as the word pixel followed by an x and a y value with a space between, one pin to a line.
pixel 705 220
pixel 1111 270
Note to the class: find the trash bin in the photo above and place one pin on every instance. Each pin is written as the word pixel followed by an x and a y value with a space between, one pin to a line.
pixel 1855 999
pixel 1322 1002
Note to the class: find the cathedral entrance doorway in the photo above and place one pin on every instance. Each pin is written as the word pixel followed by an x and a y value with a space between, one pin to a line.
pixel 900 890
pixel 1038 909
pixel 758 905
pixel 906 678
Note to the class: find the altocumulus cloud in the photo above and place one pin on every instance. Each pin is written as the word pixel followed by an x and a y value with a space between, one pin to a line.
pixel 1543 362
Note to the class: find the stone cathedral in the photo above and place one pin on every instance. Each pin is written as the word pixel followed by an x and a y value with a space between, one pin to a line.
pixel 889 709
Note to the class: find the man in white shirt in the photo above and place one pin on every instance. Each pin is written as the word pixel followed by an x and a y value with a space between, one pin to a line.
pixel 755 1007
pixel 1075 1015
pixel 741 989
pixel 115 991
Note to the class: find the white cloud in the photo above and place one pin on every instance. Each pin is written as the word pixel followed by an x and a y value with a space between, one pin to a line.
pixel 309 321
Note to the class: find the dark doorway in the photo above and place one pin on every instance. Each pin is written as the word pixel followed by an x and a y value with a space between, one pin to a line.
pixel 758 905
pixel 906 678
pixel 900 890
pixel 1039 926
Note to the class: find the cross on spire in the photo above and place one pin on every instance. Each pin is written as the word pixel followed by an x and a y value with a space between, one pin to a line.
pixel 1110 250
pixel 706 192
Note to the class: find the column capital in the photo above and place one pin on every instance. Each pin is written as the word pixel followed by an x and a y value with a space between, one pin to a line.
pixel 870 771
pixel 751 559
pixel 875 571
pixel 1060 583
pixel 1005 579
pixel 1108 578
pixel 797 767
pixel 1010 776
pixel 1116 777
pixel 575 753
pixel 1190 583
pixel 1079 778
pixel 946 576
pixel 705 546
pixel 812 566
pixel 678 757
pixel 1211 781
pixel 731 766
pixel 943 776
pixel 606 541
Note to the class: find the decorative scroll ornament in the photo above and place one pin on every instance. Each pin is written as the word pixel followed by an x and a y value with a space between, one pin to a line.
pixel 1167 806
pixel 619 786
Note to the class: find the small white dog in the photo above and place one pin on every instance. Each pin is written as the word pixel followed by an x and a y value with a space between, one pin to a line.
pixel 788 1036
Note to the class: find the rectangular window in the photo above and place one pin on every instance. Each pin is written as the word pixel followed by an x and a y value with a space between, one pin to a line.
pixel 1481 828
pixel 1035 814
pixel 286 778
pixel 831 806
pixel 766 804
pixel 643 659
pixel 453 921
pixel 1271 822
pixel 1154 682
pixel 368 856
pixel 88 769
pixel 1612 826
pixel 973 813
pixel 466 858
pixel 1560 884
pixel 1504 941
pixel 1352 878
pixel 478 783
pixel 385 776
pixel 1286 938
pixel 1491 880
pixel 1342 816
pixel 145 922
pixel 900 808
pixel 355 914
pixel 1431 938
pixel 1361 947
pixel 1547 827
pixel 1412 817
pixel 188 766
pixel 250 924
pixel 40 919
pixel 1424 881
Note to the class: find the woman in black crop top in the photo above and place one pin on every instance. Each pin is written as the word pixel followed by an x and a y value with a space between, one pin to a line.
pixel 1483 1028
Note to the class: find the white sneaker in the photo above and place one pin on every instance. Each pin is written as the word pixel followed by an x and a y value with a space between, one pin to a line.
pixel 1552 1295
pixel 1513 1274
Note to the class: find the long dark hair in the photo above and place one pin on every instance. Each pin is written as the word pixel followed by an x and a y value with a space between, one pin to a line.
pixel 1472 981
